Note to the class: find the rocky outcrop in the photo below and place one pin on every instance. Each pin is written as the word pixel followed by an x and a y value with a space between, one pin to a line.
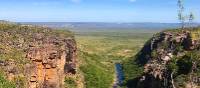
pixel 163 59
pixel 49 64
pixel 48 55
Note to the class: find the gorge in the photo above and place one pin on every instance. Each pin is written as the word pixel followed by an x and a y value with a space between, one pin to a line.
pixel 42 57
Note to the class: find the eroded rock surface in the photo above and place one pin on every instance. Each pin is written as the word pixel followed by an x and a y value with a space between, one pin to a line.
pixel 49 63
pixel 39 55
pixel 178 46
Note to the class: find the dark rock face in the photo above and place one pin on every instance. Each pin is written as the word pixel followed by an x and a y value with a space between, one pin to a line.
pixel 159 52
pixel 47 55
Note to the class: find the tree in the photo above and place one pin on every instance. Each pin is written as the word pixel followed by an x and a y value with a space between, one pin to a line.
pixel 172 67
pixel 191 18
pixel 181 17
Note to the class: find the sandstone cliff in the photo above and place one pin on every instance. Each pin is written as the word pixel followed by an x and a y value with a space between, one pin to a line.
pixel 36 57
pixel 171 59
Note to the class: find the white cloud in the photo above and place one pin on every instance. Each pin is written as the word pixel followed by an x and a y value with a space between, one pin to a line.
pixel 76 1
pixel 132 0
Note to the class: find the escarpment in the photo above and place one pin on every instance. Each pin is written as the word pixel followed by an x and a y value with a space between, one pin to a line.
pixel 50 62
pixel 171 59
pixel 36 57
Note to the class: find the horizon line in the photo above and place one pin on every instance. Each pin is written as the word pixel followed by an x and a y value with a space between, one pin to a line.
pixel 93 22
pixel 97 22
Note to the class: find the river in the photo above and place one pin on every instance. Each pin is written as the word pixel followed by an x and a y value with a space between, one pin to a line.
pixel 119 75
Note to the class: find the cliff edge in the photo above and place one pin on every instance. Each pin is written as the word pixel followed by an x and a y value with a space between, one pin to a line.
pixel 170 59
pixel 36 57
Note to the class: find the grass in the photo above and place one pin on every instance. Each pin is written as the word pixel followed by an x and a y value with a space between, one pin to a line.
pixel 70 83
pixel 99 50
pixel 195 34
pixel 4 83
pixel 97 74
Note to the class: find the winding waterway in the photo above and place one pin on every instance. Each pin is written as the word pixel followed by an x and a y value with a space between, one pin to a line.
pixel 119 75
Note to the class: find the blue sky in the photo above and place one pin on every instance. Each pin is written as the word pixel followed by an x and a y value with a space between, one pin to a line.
pixel 95 10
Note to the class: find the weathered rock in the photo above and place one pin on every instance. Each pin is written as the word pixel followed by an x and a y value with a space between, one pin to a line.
pixel 33 79
pixel 158 52
pixel 49 61
pixel 37 54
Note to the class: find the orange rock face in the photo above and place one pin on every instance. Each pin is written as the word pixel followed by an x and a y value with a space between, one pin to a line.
pixel 36 57
pixel 50 62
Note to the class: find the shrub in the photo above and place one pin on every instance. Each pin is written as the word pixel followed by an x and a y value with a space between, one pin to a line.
pixel 5 83
pixel 70 82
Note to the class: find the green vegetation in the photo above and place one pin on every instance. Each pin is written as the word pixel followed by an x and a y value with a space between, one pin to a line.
pixel 70 83
pixel 95 73
pixel 131 70
pixel 15 38
pixel 99 50
pixel 195 34
pixel 185 68
pixel 5 83
pixel 182 68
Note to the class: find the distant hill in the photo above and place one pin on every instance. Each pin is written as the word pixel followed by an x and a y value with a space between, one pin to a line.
pixel 100 26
